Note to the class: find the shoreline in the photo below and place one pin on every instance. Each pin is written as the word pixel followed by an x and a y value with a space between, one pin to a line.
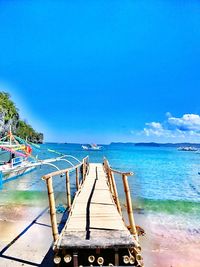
pixel 170 244
pixel 164 245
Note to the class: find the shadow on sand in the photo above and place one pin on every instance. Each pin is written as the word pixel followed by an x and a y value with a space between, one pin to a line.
pixel 48 259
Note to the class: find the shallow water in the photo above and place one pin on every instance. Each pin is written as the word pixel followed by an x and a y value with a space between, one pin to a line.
pixel 166 200
pixel 165 180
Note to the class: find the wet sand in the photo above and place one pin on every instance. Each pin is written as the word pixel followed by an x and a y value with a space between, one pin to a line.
pixel 169 245
pixel 25 239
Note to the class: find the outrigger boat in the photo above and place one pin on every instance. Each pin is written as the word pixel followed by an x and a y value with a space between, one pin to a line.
pixel 16 158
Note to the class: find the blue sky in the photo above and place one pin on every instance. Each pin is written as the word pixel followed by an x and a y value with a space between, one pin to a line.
pixel 102 71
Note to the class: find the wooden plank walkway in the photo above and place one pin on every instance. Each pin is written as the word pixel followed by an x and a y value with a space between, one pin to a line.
pixel 94 221
pixel 95 231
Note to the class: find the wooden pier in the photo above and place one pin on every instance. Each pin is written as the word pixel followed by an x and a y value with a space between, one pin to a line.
pixel 95 233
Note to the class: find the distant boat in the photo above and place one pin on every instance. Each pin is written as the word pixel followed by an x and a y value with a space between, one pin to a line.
pixel 91 147
pixel 85 147
pixel 187 148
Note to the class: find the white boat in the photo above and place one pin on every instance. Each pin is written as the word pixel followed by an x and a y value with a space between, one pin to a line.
pixel 187 148
pixel 85 147
pixel 91 147
pixel 17 167
pixel 16 158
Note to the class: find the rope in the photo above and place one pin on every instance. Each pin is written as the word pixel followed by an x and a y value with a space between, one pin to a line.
pixel 13 151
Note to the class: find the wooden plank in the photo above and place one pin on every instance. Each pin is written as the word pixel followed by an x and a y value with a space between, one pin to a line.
pixel 94 221
pixel 98 239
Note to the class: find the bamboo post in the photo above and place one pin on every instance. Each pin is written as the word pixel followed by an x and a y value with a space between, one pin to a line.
pixel 52 208
pixel 68 190
pixel 129 206
pixel 114 187
pixel 83 170
pixel 107 169
pixel 111 182
pixel 1 180
pixel 86 167
pixel 77 178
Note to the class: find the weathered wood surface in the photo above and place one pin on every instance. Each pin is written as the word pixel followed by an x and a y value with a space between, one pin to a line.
pixel 94 220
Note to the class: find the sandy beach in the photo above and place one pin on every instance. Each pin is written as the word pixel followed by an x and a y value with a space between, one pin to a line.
pixel 168 245
pixel 26 239
pixel 26 236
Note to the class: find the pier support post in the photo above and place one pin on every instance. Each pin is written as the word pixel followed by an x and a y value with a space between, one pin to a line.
pixel 68 190
pixel 116 257
pixel 115 192
pixel 83 170
pixel 77 178
pixel 52 208
pixel 1 180
pixel 108 171
pixel 112 184
pixel 129 206
pixel 75 259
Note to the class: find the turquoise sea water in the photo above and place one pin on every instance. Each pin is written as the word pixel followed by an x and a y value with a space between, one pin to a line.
pixel 165 179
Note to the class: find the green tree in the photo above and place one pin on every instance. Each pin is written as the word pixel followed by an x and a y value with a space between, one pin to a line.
pixel 8 106
pixel 11 116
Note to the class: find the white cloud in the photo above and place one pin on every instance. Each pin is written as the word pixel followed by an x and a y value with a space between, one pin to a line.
pixel 186 126
pixel 155 125
pixel 189 122
pixel 168 114
pixel 153 128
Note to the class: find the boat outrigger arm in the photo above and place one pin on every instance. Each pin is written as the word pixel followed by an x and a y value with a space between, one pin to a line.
pixel 49 161
pixel 70 156
pixel 50 164
pixel 21 160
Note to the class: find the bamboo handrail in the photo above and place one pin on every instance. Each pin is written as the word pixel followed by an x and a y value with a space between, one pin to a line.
pixel 113 187
pixel 52 209
pixel 122 173
pixel 46 176
pixel 115 193
pixel 107 170
pixel 68 190
pixel 77 178
pixel 49 181
pixel 84 168
pixel 129 206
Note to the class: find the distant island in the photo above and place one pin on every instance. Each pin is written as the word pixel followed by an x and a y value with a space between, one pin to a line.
pixel 153 144
pixel 9 116
pixel 168 144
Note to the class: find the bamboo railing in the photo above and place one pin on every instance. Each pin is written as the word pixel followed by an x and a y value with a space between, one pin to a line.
pixel 113 188
pixel 81 167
